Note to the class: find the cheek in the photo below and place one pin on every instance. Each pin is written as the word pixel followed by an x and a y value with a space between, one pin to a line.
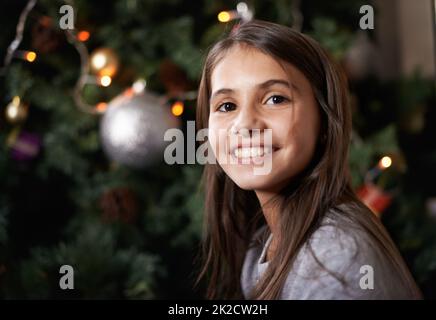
pixel 217 137
pixel 303 137
pixel 299 133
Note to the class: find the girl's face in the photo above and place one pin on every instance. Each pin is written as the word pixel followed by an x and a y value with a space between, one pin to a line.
pixel 251 92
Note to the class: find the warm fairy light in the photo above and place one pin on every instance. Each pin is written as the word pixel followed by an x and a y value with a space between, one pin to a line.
pixel 223 16
pixel 385 162
pixel 83 35
pixel 104 62
pixel 101 107
pixel 30 56
pixel 177 108
pixel 12 111
pixel 99 61
pixel 16 110
pixel 16 100
pixel 105 81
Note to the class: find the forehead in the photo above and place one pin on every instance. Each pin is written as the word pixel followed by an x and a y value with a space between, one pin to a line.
pixel 243 66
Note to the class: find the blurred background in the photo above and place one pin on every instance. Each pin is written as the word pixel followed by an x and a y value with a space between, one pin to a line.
pixel 83 112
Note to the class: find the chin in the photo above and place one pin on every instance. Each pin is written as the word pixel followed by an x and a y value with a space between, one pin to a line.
pixel 251 182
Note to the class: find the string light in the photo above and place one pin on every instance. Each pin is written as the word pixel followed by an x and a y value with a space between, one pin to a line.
pixel 385 162
pixel 18 35
pixel 242 12
pixel 177 108
pixel 224 16
pixel 84 70
pixel 83 35
pixel 105 81
pixel 105 63
pixel 16 111
pixel 12 109
pixel 30 56
pixel 98 61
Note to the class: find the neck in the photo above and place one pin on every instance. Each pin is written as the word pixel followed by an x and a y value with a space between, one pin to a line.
pixel 270 210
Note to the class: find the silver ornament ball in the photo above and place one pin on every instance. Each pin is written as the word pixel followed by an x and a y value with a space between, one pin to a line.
pixel 132 129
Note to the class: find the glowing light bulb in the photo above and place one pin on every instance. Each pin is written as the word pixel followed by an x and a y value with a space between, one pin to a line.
pixel 385 162
pixel 104 62
pixel 12 112
pixel 83 35
pixel 224 16
pixel 99 61
pixel 16 111
pixel 30 56
pixel 105 81
pixel 177 108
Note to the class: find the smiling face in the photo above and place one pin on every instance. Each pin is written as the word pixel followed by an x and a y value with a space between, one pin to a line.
pixel 252 92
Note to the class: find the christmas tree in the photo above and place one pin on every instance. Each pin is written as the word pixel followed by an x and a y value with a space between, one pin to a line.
pixel 129 224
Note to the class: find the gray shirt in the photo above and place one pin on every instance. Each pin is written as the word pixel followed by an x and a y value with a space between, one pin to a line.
pixel 344 254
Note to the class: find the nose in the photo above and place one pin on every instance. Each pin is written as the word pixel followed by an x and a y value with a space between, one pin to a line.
pixel 247 123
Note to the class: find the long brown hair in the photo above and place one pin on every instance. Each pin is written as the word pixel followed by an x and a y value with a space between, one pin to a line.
pixel 232 214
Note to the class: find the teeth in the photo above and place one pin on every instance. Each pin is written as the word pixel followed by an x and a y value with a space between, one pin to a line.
pixel 251 152
pixel 256 152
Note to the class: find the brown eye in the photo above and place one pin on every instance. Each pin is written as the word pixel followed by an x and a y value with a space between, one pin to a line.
pixel 276 99
pixel 227 107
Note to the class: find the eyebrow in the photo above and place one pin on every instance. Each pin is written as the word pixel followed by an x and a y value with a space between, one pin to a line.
pixel 262 85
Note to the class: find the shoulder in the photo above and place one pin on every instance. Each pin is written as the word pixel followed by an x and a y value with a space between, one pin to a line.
pixel 332 262
pixel 336 245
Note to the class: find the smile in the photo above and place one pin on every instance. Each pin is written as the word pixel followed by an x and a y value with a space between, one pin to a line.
pixel 251 152
pixel 252 155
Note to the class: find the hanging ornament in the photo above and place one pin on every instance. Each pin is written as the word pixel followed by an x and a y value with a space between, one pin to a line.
pixel 16 111
pixel 24 146
pixel 374 197
pixel 119 204
pixel 104 62
pixel 133 126
pixel 381 183
pixel 45 37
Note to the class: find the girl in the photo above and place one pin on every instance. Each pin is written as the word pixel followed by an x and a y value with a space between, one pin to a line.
pixel 297 231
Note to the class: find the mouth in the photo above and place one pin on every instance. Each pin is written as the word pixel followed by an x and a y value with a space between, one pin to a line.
pixel 252 153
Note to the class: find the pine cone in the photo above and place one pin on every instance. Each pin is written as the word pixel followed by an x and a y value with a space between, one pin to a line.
pixel 173 78
pixel 119 204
